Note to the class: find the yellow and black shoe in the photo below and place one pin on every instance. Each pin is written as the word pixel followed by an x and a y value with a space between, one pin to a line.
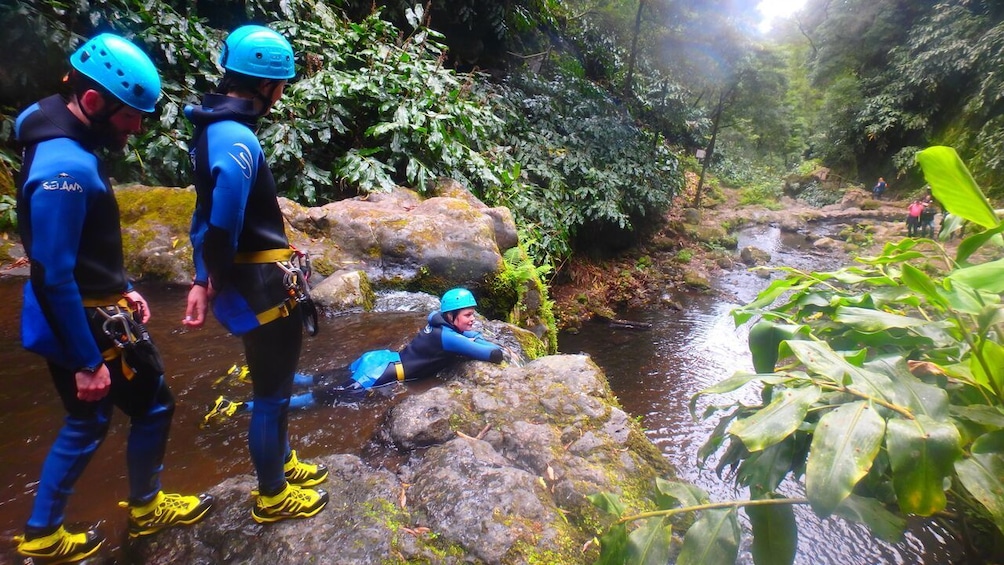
pixel 292 502
pixel 166 510
pixel 61 546
pixel 221 410
pixel 303 474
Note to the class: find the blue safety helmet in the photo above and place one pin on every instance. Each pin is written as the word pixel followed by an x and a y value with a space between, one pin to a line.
pixel 121 69
pixel 258 51
pixel 457 298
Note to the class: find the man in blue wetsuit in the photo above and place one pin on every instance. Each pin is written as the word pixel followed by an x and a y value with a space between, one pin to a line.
pixel 447 338
pixel 80 311
pixel 243 260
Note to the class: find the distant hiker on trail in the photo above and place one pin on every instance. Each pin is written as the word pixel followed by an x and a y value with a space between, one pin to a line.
pixel 927 215
pixel 913 217
pixel 879 189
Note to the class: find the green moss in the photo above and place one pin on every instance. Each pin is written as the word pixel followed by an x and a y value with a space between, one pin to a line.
pixel 171 207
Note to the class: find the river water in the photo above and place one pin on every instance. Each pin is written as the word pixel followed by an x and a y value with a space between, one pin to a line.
pixel 654 373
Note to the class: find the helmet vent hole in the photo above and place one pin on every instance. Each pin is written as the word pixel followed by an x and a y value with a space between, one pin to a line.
pixel 138 89
pixel 84 57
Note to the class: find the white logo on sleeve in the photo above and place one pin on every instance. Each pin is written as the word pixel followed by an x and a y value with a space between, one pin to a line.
pixel 243 159
pixel 63 182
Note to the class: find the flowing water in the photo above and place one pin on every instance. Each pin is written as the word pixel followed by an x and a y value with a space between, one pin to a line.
pixel 654 373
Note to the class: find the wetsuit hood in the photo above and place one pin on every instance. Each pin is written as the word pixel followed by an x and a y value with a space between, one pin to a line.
pixel 436 320
pixel 219 107
pixel 54 121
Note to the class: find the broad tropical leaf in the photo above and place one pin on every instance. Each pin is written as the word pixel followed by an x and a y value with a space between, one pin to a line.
pixel 922 452
pixel 843 447
pixel 649 544
pixel 778 420
pixel 953 186
pixel 713 539
pixel 775 534
pixel 982 474
pixel 764 338
pixel 872 513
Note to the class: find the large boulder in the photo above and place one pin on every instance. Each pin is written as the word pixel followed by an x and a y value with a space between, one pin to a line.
pixel 494 468
pixel 398 238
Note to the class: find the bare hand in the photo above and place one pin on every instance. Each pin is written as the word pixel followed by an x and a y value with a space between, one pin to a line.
pixel 198 304
pixel 138 305
pixel 92 387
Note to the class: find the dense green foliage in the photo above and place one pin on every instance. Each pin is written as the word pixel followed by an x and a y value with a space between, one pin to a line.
pixel 896 75
pixel 881 386
pixel 375 106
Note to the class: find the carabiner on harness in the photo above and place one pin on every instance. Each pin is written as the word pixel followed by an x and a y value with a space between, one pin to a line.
pixel 297 270
pixel 132 337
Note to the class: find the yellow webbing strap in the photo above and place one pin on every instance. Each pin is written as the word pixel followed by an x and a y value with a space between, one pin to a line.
pixel 274 313
pixel 109 300
pixel 111 354
pixel 399 368
pixel 266 256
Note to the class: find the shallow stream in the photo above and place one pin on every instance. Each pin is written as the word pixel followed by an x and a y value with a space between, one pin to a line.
pixel 654 373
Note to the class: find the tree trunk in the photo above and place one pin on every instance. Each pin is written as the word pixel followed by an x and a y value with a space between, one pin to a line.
pixel 710 151
pixel 634 49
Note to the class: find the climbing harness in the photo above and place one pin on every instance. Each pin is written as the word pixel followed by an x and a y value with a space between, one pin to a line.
pixel 297 272
pixel 132 340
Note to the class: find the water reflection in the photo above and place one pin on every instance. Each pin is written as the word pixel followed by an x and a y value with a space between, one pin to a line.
pixel 655 373
pixel 197 458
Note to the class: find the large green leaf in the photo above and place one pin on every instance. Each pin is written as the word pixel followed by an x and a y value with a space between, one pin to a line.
pixel 867 319
pixel 713 539
pixel 988 277
pixel 909 391
pixel 843 447
pixel 922 452
pixel 764 470
pixel 649 544
pixel 954 187
pixel 872 513
pixel 764 338
pixel 684 493
pixel 777 420
pixel 919 282
pixel 775 534
pixel 972 243
pixel 991 374
pixel 820 359
pixel 982 474
pixel 735 382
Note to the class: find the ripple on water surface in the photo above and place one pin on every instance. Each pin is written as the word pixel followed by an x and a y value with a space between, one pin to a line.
pixel 654 373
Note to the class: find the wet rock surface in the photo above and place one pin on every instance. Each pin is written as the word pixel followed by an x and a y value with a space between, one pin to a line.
pixel 495 468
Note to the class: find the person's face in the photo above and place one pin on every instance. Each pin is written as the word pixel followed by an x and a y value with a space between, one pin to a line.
pixel 464 320
pixel 113 132
pixel 125 122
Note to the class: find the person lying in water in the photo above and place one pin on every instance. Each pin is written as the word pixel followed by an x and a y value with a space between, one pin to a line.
pixel 447 337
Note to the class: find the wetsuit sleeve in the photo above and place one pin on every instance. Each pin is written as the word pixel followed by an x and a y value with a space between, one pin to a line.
pixel 234 158
pixel 475 348
pixel 58 209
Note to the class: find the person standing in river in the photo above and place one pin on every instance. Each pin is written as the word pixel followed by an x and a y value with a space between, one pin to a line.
pixel 80 311
pixel 243 260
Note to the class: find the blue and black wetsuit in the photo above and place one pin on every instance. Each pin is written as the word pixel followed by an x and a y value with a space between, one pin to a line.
pixel 437 346
pixel 237 237
pixel 68 219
